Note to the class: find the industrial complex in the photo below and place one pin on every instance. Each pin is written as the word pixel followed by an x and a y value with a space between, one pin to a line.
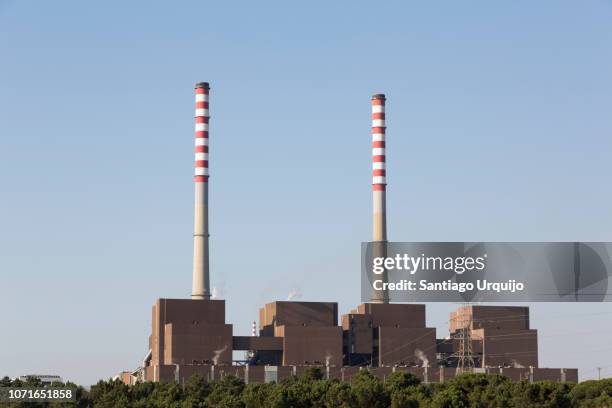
pixel 191 336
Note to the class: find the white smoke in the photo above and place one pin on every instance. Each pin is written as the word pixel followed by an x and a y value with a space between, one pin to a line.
pixel 215 358
pixel 516 364
pixel 218 291
pixel 215 293
pixel 418 353
pixel 294 294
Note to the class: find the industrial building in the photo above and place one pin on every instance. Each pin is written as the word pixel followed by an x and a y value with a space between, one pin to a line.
pixel 45 379
pixel 191 336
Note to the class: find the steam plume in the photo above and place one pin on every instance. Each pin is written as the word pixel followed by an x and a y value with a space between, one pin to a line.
pixel 418 353
pixel 294 294
pixel 215 358
pixel 516 364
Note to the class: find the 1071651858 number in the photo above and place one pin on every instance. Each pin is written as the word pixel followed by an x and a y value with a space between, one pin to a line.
pixel 8 394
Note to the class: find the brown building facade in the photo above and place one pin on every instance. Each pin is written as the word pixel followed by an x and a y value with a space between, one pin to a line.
pixel 187 332
pixel 191 337
pixel 500 334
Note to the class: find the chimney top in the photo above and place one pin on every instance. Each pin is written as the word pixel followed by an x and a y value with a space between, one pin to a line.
pixel 378 96
pixel 202 85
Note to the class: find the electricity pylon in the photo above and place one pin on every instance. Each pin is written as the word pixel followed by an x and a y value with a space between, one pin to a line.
pixel 465 355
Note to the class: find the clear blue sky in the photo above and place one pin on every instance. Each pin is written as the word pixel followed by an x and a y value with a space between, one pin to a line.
pixel 499 128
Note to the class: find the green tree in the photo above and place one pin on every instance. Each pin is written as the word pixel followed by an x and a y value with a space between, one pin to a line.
pixel 257 395
pixel 470 385
pixel 140 392
pixel 405 398
pixel 226 392
pixel 603 401
pixel 312 373
pixel 339 395
pixel 589 391
pixel 16 383
pixel 109 394
pixel 167 395
pixel 291 392
pixel 318 391
pixel 402 388
pixel 280 397
pixel 399 380
pixel 543 394
pixel 369 390
pixel 450 397
pixel 196 391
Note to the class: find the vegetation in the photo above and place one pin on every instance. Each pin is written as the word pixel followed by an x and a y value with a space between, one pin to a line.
pixel 399 390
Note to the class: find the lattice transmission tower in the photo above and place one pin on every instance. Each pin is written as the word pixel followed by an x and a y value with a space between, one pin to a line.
pixel 465 355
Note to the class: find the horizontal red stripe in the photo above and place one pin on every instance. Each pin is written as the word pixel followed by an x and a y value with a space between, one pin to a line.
pixel 378 158
pixel 201 91
pixel 201 119
pixel 378 187
pixel 201 149
pixel 378 101
pixel 201 133
pixel 202 105
pixel 378 172
pixel 378 144
pixel 201 179
pixel 378 115
pixel 201 163
pixel 378 130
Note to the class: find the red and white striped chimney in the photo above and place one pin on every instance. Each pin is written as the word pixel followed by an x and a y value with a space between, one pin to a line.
pixel 379 175
pixel 201 277
pixel 379 189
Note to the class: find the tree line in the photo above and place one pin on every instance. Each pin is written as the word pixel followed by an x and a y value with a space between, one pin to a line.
pixel 311 390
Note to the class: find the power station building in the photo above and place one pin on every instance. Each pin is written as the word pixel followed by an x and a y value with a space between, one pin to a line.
pixel 191 336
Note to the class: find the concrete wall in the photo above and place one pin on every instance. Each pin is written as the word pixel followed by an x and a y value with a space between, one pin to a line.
pixel 381 372
pixel 449 346
pixel 197 343
pixel 311 345
pixel 182 311
pixel 348 372
pixel 427 375
pixel 260 374
pixel 394 315
pixel 358 333
pixel 164 373
pixel 186 371
pixel 297 314
pixel 398 346
pixel 490 317
pixel 220 371
pixel 508 347
pixel 260 343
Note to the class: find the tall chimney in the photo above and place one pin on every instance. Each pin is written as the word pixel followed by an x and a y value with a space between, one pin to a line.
pixel 379 181
pixel 201 276
pixel 379 189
